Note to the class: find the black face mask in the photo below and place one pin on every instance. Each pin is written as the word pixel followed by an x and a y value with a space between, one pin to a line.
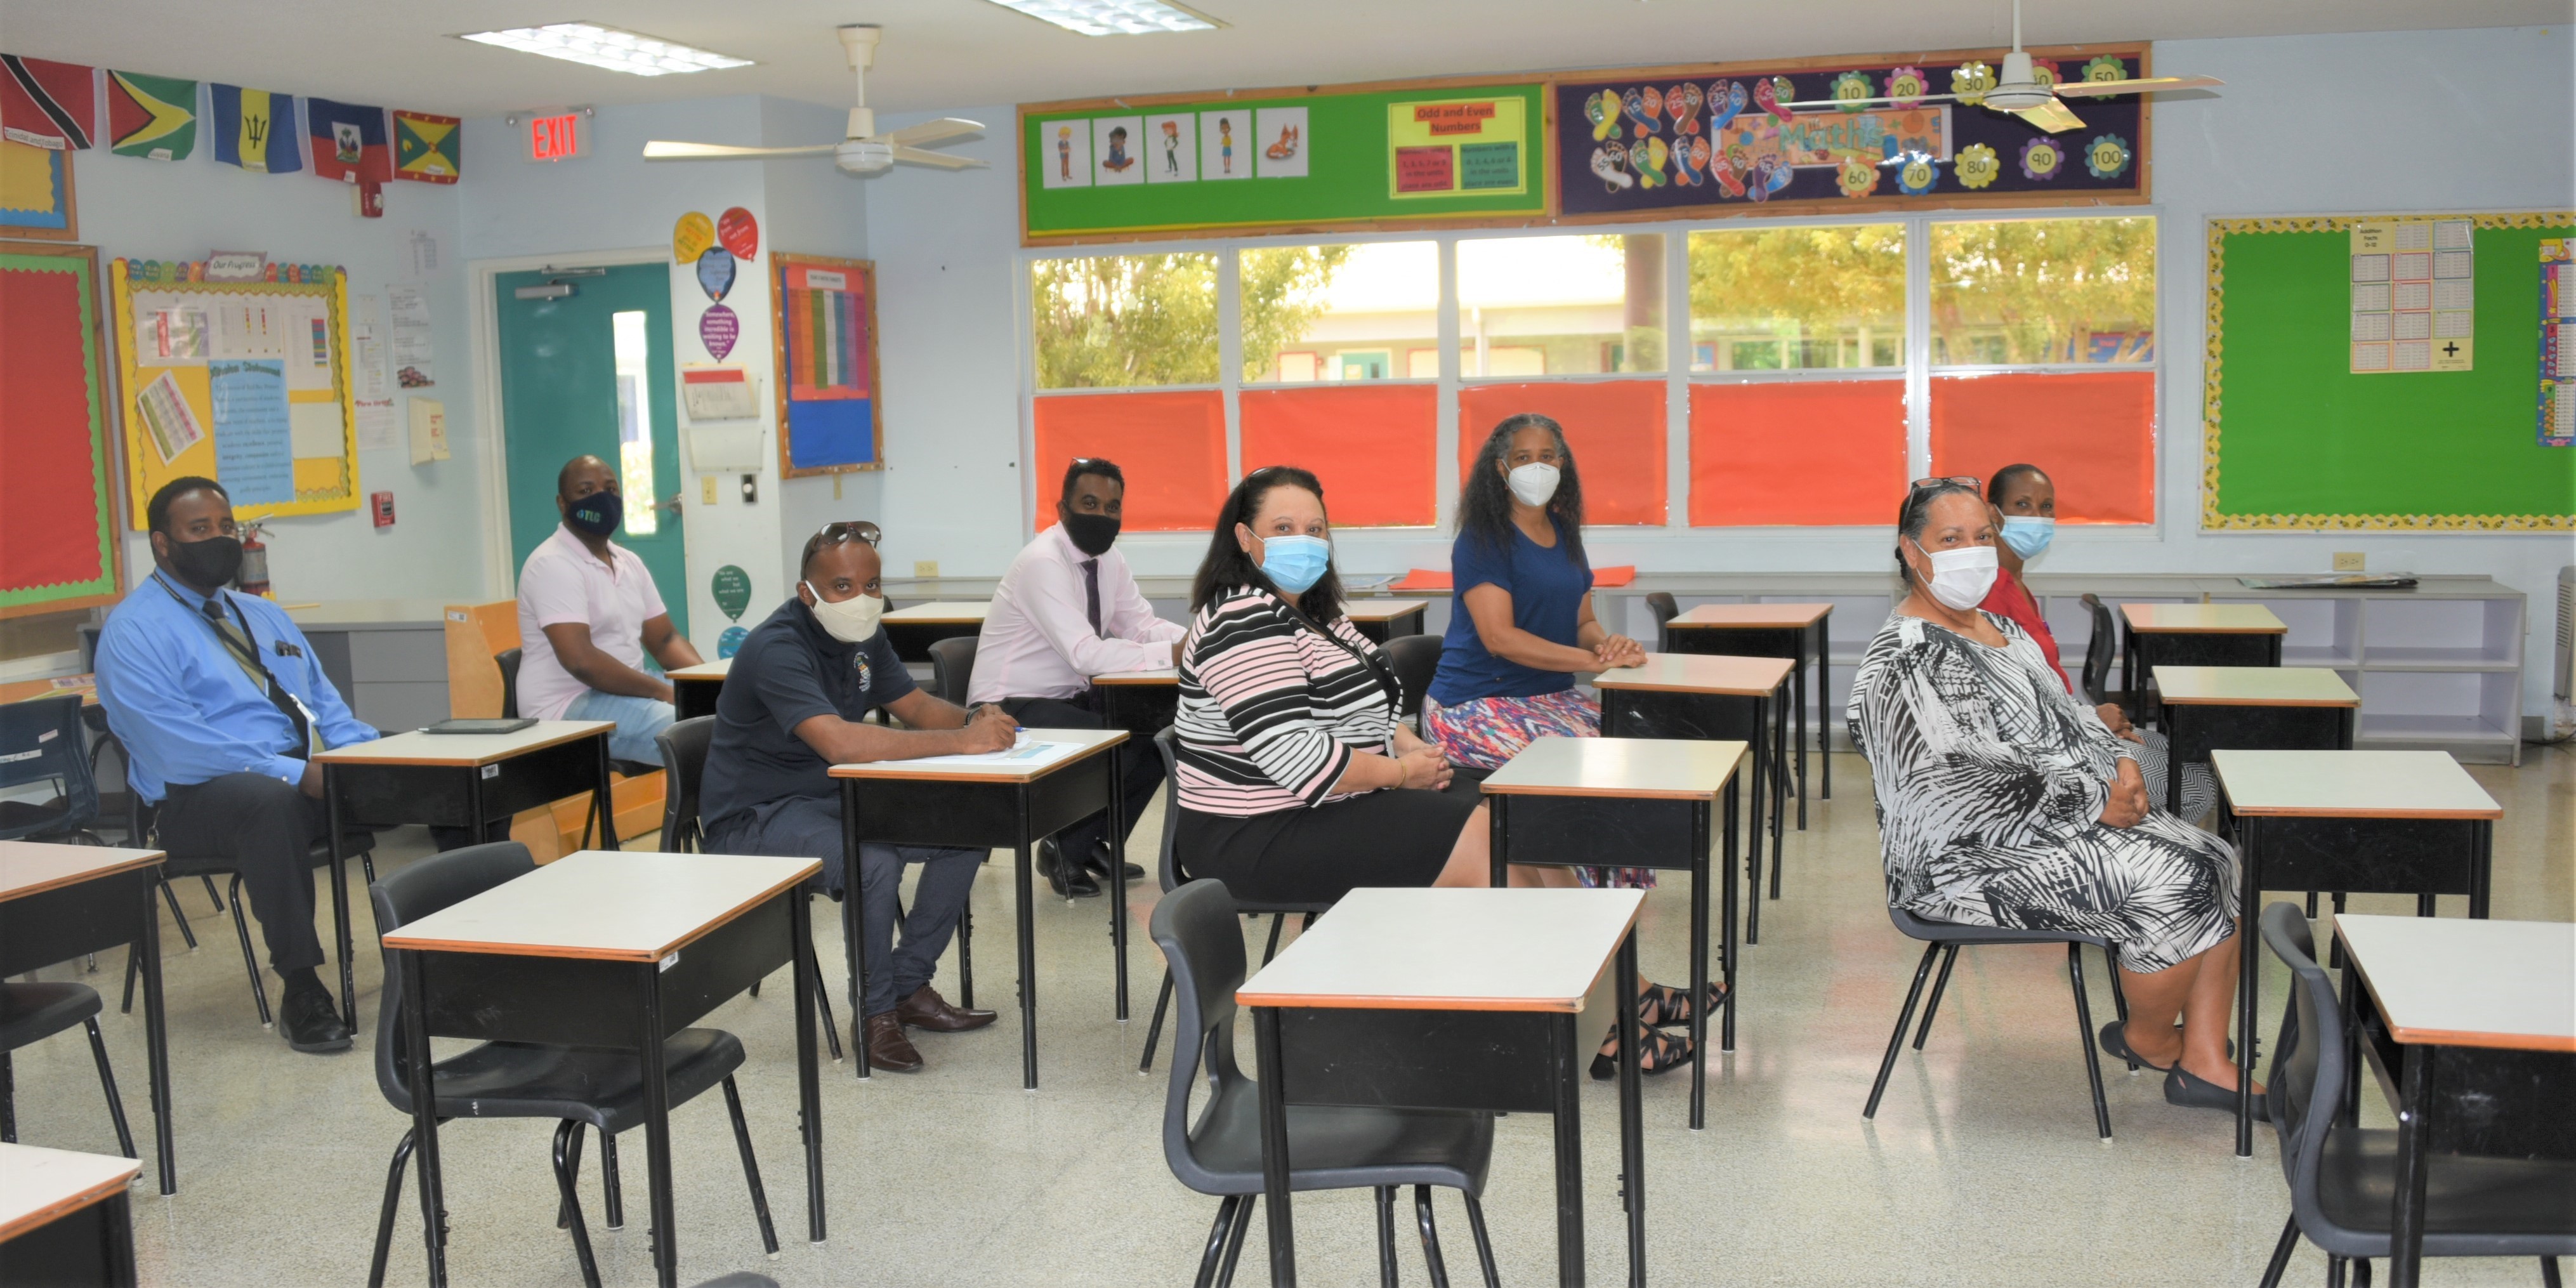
pixel 212 562
pixel 1092 534
pixel 597 514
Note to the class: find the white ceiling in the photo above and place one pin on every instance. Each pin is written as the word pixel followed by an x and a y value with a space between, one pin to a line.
pixel 961 53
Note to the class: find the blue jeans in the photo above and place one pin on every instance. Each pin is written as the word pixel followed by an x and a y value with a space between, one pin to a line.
pixel 809 827
pixel 638 720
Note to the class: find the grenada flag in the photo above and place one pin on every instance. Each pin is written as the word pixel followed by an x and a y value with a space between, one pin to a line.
pixel 348 141
pixel 426 147
pixel 151 116
pixel 255 130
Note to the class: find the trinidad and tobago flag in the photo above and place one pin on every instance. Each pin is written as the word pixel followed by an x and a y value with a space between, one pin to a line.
pixel 348 142
pixel 47 104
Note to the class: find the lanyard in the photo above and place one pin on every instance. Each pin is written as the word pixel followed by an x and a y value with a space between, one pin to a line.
pixel 245 653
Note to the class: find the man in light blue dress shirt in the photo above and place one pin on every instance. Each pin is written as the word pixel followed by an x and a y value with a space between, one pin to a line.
pixel 220 705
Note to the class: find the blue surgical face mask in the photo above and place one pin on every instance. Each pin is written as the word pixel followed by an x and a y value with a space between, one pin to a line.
pixel 2028 535
pixel 1295 564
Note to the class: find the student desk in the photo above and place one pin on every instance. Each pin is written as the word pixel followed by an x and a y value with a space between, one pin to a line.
pixel 614 950
pixel 64 1218
pixel 22 690
pixel 58 902
pixel 1794 631
pixel 989 805
pixel 2382 822
pixel 1140 702
pixel 2486 1015
pixel 694 688
pixel 1384 619
pixel 1697 695
pixel 911 631
pixel 1639 803
pixel 2194 635
pixel 458 780
pixel 2266 708
pixel 1490 1000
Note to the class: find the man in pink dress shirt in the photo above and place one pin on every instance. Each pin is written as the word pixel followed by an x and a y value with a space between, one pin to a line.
pixel 1068 610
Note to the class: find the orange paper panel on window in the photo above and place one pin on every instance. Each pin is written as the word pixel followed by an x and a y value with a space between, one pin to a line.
pixel 1372 445
pixel 1171 447
pixel 1796 452
pixel 2094 433
pixel 1616 429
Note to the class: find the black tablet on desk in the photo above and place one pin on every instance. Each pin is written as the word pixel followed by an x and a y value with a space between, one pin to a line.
pixel 497 725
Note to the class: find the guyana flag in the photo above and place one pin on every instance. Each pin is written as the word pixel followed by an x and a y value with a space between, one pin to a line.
pixel 255 129
pixel 151 116
pixel 426 148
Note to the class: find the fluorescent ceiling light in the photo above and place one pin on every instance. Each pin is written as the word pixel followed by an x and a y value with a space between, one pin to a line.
pixel 1114 17
pixel 616 50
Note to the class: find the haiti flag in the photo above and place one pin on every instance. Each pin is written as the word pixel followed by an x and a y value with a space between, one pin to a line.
pixel 255 129
pixel 348 141
pixel 426 147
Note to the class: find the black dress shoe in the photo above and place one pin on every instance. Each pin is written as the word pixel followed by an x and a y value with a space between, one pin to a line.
pixel 1096 864
pixel 1076 884
pixel 311 1023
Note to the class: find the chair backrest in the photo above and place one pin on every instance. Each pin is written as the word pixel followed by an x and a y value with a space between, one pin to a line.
pixel 2098 650
pixel 1415 659
pixel 400 898
pixel 88 646
pixel 684 759
pixel 41 740
pixel 508 659
pixel 1167 744
pixel 1665 609
pixel 1202 942
pixel 2305 1090
pixel 952 665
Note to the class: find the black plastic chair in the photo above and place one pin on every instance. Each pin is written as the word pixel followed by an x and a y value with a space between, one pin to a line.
pixel 42 741
pixel 508 660
pixel 1173 876
pixel 1415 659
pixel 2343 1179
pixel 31 1013
pixel 1329 1147
pixel 2098 651
pixel 579 1088
pixel 1665 609
pixel 684 759
pixel 1945 940
pixel 952 666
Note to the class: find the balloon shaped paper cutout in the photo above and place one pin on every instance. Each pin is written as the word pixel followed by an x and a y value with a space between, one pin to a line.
pixel 715 272
pixel 739 233
pixel 718 328
pixel 691 237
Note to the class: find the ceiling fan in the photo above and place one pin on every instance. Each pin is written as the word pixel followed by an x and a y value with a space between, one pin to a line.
pixel 2018 90
pixel 864 151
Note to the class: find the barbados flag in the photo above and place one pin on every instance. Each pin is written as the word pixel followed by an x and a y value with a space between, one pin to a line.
pixel 151 116
pixel 348 141
pixel 426 147
pixel 255 130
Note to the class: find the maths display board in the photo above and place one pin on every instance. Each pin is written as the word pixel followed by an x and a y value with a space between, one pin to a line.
pixel 246 383
pixel 825 314
pixel 2295 440
pixel 1440 152
pixel 57 548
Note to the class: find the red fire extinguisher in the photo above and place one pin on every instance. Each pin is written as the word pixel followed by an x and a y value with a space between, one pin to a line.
pixel 253 579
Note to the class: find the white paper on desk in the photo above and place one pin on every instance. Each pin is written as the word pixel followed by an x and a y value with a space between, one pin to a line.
pixel 1027 753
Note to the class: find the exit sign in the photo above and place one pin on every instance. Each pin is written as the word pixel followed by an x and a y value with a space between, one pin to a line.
pixel 557 136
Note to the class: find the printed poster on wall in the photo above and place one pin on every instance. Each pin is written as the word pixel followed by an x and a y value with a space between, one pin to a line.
pixel 827 377
pixel 2413 295
pixel 2558 342
pixel 1455 145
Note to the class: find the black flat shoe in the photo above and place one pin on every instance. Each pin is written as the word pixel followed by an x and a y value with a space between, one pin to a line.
pixel 1073 884
pixel 2182 1088
pixel 1659 1052
pixel 2115 1042
pixel 1096 864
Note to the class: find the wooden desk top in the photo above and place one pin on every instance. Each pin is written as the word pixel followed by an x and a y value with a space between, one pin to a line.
pixel 1161 675
pixel 1751 616
pixel 1382 610
pixel 33 867
pixel 39 1186
pixel 2202 619
pixel 1660 768
pixel 715 670
pixel 1090 742
pixel 22 690
pixel 1700 673
pixel 2350 784
pixel 1451 950
pixel 945 612
pixel 2508 984
pixel 2254 686
pixel 627 906
pixel 462 749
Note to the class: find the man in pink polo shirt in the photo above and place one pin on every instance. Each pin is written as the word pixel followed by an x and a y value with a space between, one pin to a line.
pixel 588 613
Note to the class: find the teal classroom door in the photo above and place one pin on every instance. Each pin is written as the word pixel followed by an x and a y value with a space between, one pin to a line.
pixel 592 374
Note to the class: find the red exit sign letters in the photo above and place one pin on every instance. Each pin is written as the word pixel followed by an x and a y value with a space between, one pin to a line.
pixel 556 136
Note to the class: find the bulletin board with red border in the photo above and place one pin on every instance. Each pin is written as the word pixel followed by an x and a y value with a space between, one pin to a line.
pixel 831 403
pixel 58 544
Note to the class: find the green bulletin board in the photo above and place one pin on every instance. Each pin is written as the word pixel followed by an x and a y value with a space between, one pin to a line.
pixel 1297 159
pixel 2295 440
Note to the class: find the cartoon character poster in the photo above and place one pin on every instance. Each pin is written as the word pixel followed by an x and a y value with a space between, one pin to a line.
pixel 1225 144
pixel 1171 148
pixel 1117 151
pixel 1279 139
pixel 1065 153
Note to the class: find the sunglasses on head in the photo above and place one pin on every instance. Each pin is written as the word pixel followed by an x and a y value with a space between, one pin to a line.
pixel 1960 479
pixel 834 534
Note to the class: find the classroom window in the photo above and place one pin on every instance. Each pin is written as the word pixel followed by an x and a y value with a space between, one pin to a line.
pixel 2093 431
pixel 1170 445
pixel 1798 298
pixel 2033 292
pixel 1316 313
pixel 1587 304
pixel 635 421
pixel 1124 321
pixel 1373 446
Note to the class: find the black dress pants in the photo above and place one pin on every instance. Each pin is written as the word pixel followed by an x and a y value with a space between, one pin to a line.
pixel 263 829
pixel 1144 768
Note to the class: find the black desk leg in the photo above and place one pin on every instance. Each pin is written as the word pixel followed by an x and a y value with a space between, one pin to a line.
pixel 1753 828
pixel 1698 971
pixel 2249 862
pixel 1725 881
pixel 2129 670
pixel 2173 767
pixel 809 1078
pixel 1274 1146
pixel 1798 699
pixel 604 801
pixel 156 1038
pixel 1570 1053
pixel 2481 865
pixel 1118 869
pixel 2352 1049
pixel 1632 1125
pixel 340 897
pixel 1824 708
pixel 663 1236
pixel 854 962
pixel 2406 1240
pixel 424 1119
pixel 1780 778
pixel 1498 846
pixel 1028 944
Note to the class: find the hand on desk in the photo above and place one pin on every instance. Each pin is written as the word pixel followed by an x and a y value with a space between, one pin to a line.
pixel 1616 651
pixel 990 729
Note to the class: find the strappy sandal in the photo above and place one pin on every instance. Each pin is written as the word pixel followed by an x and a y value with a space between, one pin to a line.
pixel 1663 1006
pixel 1658 1052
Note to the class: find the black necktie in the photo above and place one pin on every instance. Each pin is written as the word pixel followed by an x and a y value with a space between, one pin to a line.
pixel 1091 591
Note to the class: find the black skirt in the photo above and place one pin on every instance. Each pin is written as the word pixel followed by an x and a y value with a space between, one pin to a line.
pixel 1397 837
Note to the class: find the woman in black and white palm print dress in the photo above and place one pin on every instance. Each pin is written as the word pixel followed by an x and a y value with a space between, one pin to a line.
pixel 2003 802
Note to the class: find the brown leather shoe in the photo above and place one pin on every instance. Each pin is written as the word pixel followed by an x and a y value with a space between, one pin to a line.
pixel 888 1048
pixel 926 1009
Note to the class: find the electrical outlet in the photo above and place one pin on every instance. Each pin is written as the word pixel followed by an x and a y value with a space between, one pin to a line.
pixel 2348 561
pixel 706 489
pixel 751 489
pixel 925 567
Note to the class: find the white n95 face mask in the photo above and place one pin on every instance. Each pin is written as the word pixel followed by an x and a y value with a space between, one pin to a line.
pixel 850 621
pixel 1961 577
pixel 1534 483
